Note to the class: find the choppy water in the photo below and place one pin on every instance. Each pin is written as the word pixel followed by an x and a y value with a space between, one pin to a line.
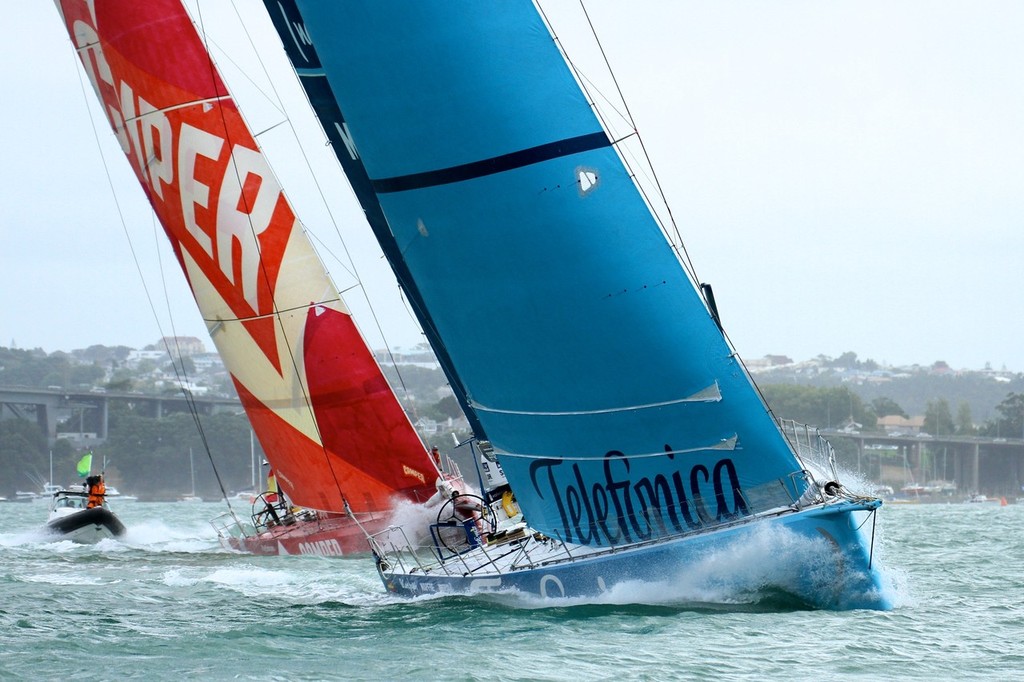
pixel 168 603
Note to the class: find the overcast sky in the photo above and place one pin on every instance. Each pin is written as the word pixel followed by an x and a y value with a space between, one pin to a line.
pixel 848 175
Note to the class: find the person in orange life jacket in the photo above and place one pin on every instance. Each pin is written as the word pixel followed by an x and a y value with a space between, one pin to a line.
pixel 97 491
pixel 470 513
pixel 435 454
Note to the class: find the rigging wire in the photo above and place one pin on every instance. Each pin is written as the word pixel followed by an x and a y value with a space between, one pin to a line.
pixel 350 266
pixel 677 243
pixel 589 87
pixel 180 372
pixel 278 314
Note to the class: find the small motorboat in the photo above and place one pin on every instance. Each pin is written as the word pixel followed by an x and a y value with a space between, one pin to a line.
pixel 72 518
pixel 121 497
pixel 978 498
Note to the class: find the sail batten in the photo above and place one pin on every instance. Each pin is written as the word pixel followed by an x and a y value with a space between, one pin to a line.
pixel 156 112
pixel 710 394
pixel 723 444
pixel 278 313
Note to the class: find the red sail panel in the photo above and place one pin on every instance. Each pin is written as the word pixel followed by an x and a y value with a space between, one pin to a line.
pixel 310 470
pixel 251 268
pixel 357 412
pixel 191 151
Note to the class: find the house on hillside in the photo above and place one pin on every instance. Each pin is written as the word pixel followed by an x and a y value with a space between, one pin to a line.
pixel 895 425
pixel 181 345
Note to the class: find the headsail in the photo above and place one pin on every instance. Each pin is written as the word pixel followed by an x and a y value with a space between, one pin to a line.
pixel 613 402
pixel 318 402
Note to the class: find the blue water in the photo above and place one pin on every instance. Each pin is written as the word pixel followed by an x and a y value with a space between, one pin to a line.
pixel 167 603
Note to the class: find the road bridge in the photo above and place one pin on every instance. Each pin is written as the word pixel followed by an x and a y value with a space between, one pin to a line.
pixel 994 466
pixel 48 407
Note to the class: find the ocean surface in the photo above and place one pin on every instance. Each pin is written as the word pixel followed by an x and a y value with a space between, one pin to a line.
pixel 167 603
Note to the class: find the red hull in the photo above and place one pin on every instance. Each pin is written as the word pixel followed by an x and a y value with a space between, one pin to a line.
pixel 333 535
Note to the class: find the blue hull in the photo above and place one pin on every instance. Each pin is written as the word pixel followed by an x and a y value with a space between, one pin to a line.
pixel 819 556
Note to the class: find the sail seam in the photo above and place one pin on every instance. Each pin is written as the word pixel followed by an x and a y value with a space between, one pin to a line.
pixel 183 105
pixel 495 164
pixel 277 312
pixel 724 444
pixel 711 394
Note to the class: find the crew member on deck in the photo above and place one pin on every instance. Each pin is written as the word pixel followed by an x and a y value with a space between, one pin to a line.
pixel 97 491
pixel 470 513
pixel 443 494
pixel 435 454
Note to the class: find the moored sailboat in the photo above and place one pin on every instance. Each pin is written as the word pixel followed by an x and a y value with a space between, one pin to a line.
pixel 191 498
pixel 592 365
pixel 44 495
pixel 334 432
pixel 114 493
pixel 46 489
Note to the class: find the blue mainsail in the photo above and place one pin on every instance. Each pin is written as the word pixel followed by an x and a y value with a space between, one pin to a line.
pixel 580 347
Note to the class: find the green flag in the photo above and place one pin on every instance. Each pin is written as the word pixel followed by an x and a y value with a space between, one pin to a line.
pixel 85 465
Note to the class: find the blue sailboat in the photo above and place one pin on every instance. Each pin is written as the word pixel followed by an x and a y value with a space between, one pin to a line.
pixel 592 366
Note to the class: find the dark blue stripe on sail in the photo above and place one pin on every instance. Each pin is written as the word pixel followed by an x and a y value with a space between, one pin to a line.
pixel 497 164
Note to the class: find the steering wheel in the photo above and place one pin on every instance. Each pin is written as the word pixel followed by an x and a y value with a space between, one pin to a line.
pixel 270 511
pixel 446 516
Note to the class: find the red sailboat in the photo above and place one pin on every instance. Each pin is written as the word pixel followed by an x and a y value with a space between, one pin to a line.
pixel 338 440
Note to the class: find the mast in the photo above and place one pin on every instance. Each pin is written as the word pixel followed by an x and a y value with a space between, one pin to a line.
pixel 303 57
pixel 252 457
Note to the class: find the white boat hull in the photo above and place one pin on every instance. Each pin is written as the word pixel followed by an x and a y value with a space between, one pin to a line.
pixel 819 555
